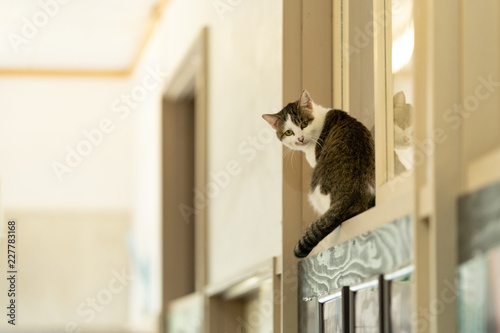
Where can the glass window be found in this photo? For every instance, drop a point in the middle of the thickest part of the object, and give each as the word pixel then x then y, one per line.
pixel 361 62
pixel 402 45
pixel 378 77
pixel 333 316
pixel 367 310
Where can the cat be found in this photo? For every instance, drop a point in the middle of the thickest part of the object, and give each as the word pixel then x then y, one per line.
pixel 403 133
pixel 341 152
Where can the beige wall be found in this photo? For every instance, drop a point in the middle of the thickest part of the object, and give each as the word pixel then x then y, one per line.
pixel 102 217
pixel 479 117
pixel 43 115
pixel 68 265
pixel 245 60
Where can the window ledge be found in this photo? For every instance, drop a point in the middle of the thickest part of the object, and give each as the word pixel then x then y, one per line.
pixel 377 216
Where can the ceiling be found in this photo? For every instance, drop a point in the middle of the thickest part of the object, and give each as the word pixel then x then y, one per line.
pixel 74 35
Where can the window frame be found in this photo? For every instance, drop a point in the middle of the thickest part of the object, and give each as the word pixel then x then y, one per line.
pixel 388 185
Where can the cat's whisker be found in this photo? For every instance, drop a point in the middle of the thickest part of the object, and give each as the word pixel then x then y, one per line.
pixel 316 141
pixel 291 160
pixel 288 157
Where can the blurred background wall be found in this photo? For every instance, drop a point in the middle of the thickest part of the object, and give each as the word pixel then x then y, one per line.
pixel 88 236
pixel 245 56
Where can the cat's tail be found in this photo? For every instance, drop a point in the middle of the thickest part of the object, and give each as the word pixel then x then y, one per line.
pixel 323 226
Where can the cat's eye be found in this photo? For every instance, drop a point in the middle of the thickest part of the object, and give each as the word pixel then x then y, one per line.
pixel 303 125
pixel 289 132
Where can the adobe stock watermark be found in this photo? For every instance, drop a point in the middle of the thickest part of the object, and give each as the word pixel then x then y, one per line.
pixel 423 316
pixel 454 116
pixel 222 7
pixel 220 180
pixel 362 38
pixel 483 91
pixel 265 310
pixel 88 309
pixel 258 316
pixel 94 137
pixel 31 26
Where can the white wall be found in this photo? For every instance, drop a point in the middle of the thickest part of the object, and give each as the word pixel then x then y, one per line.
pixel 146 220
pixel 67 263
pixel 245 81
pixel 72 231
pixel 104 214
pixel 40 118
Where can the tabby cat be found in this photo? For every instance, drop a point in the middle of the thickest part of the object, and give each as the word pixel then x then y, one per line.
pixel 341 151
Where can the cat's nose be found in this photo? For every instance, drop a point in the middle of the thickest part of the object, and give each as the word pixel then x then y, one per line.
pixel 301 139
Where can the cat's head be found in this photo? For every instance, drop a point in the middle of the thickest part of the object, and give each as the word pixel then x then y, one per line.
pixel 403 127
pixel 296 125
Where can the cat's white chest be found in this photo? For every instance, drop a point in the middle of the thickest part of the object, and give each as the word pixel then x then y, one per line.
pixel 311 155
pixel 321 202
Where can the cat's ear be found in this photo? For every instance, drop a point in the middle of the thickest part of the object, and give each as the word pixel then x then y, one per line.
pixel 399 99
pixel 305 100
pixel 272 119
